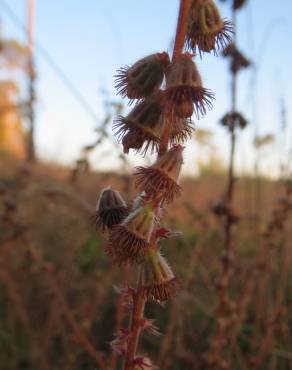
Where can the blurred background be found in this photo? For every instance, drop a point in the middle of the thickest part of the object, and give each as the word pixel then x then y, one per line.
pixel 58 308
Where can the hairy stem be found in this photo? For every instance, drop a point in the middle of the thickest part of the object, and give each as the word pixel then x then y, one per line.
pixel 135 324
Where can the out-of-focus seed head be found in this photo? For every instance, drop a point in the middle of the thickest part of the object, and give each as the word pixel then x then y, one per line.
pixel 237 4
pixel 159 181
pixel 111 209
pixel 229 51
pixel 234 119
pixel 239 61
pixel 143 78
pixel 159 283
pixel 184 89
pixel 207 31
pixel 141 128
pixel 129 241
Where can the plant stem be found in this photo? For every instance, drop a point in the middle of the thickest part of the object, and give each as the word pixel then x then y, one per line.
pixel 220 338
pixel 139 300
pixel 135 327
pixel 181 30
pixel 230 183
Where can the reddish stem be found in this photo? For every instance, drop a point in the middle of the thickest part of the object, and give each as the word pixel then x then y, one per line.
pixel 220 338
pixel 135 324
pixel 181 30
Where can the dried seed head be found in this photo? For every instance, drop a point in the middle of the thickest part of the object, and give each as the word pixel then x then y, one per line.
pixel 184 89
pixel 181 130
pixel 141 127
pixel 207 31
pixel 159 283
pixel 111 209
pixel 143 78
pixel 129 241
pixel 239 61
pixel 159 181
pixel 234 119
pixel 237 4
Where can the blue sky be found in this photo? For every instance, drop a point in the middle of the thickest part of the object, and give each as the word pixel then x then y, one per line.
pixel 91 39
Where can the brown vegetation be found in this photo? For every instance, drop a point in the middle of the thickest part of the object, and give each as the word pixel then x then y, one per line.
pixel 58 308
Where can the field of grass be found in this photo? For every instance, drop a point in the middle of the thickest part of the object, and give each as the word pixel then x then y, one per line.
pixel 59 309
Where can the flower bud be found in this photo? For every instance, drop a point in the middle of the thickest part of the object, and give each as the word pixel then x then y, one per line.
pixel 143 78
pixel 184 89
pixel 129 241
pixel 159 283
pixel 159 181
pixel 141 126
pixel 111 209
pixel 206 29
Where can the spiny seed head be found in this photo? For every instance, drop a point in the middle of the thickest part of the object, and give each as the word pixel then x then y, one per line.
pixel 206 30
pixel 129 241
pixel 159 181
pixel 143 78
pixel 141 127
pixel 159 283
pixel 111 209
pixel 181 130
pixel 234 119
pixel 184 88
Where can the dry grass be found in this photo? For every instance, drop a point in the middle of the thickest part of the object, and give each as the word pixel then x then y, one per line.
pixel 58 308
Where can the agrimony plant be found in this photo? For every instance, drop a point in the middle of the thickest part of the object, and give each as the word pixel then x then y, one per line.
pixel 159 122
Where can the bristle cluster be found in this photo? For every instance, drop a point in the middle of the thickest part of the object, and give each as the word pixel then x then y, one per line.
pixel 184 99
pixel 141 128
pixel 207 31
pixel 184 91
pixel 156 184
pixel 159 284
pixel 129 241
pixel 181 130
pixel 159 181
pixel 143 78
